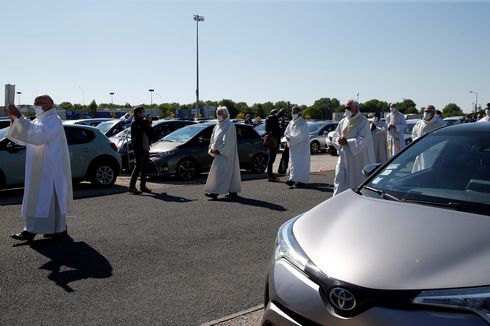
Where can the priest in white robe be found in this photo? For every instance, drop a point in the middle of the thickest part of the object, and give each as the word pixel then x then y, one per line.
pixel 48 191
pixel 224 175
pixel 379 134
pixel 486 118
pixel 429 122
pixel 396 127
pixel 298 141
pixel 353 140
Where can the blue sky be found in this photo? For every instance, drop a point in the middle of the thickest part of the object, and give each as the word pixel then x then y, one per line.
pixel 252 51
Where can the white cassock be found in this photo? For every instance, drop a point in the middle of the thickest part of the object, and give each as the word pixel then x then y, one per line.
pixel 379 141
pixel 224 175
pixel 355 155
pixel 48 193
pixel 485 119
pixel 299 150
pixel 423 127
pixel 396 137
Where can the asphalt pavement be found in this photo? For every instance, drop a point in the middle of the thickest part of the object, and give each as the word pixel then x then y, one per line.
pixel 172 257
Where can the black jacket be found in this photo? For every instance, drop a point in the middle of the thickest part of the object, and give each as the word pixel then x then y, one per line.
pixel 272 125
pixel 138 128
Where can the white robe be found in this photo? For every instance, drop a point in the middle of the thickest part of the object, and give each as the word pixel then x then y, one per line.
pixel 396 136
pixel 299 150
pixel 355 155
pixel 423 127
pixel 484 119
pixel 380 142
pixel 48 193
pixel 224 175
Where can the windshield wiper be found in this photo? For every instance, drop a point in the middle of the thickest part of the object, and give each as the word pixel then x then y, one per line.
pixel 382 193
pixel 469 208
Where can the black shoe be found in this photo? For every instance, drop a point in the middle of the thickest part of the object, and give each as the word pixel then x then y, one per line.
pixel 144 189
pixel 213 196
pixel 57 236
pixel 231 195
pixel 23 236
pixel 290 183
pixel 134 190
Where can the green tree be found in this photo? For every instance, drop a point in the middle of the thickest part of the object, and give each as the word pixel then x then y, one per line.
pixel 127 105
pixel 93 108
pixel 258 110
pixel 230 105
pixel 66 105
pixel 451 110
pixel 374 105
pixel 326 106
pixel 313 113
pixel 407 106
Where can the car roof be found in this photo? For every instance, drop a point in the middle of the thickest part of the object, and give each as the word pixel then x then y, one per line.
pixel 477 127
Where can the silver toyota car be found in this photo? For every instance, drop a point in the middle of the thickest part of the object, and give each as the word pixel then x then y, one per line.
pixel 410 246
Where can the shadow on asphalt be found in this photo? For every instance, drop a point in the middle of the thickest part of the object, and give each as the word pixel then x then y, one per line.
pixel 71 261
pixel 252 202
pixel 201 178
pixel 169 198
pixel 323 187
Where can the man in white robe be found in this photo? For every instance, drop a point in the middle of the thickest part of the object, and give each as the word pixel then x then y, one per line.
pixel 429 122
pixel 298 141
pixel 353 140
pixel 48 186
pixel 224 175
pixel 378 132
pixel 486 118
pixel 396 127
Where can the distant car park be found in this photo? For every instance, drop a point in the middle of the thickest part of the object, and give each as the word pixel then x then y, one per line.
pixel 454 120
pixel 93 122
pixel 93 157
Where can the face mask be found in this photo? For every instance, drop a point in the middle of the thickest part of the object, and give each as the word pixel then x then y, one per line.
pixel 348 113
pixel 392 110
pixel 427 116
pixel 220 118
pixel 295 116
pixel 487 111
pixel 38 109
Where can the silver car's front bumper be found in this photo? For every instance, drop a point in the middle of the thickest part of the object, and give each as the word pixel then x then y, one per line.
pixel 294 299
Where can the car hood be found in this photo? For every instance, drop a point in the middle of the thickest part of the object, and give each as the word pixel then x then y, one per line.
pixel 163 146
pixel 381 244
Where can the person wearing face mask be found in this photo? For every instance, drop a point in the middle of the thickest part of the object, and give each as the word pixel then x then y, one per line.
pixel 429 122
pixel 353 140
pixel 224 175
pixel 378 132
pixel 486 118
pixel 298 142
pixel 48 193
pixel 396 126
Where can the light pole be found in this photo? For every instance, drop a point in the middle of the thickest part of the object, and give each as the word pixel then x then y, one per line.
pixel 18 95
pixel 476 99
pixel 198 19
pixel 83 96
pixel 112 98
pixel 151 96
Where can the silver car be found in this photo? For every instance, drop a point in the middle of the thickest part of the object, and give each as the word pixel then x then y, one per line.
pixel 318 130
pixel 410 246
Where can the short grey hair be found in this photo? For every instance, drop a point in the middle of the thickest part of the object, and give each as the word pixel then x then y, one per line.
pixel 222 110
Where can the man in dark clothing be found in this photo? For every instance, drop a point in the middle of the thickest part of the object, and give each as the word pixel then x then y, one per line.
pixel 273 129
pixel 248 120
pixel 140 137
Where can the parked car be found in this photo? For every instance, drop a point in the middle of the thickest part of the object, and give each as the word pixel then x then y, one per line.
pixel 454 120
pixel 93 157
pixel 407 133
pixel 161 128
pixel 112 127
pixel 260 129
pixel 409 246
pixel 4 122
pixel 318 130
pixel 87 122
pixel 184 153
pixel 329 144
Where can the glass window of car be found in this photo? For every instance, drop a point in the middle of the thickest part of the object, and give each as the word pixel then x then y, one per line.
pixel 313 127
pixel 245 132
pixel 76 136
pixel 105 126
pixel 448 169
pixel 185 134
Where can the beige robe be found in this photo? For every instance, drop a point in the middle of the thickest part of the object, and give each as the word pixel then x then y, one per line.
pixel 48 190
pixel 396 135
pixel 224 175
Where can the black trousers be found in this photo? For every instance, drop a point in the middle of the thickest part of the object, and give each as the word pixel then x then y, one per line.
pixel 283 165
pixel 141 158
pixel 270 161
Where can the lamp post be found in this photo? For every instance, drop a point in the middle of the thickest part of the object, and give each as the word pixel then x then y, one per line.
pixel 476 99
pixel 18 96
pixel 83 96
pixel 112 98
pixel 198 19
pixel 151 96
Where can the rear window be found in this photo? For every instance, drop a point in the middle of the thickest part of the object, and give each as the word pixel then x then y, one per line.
pixel 76 136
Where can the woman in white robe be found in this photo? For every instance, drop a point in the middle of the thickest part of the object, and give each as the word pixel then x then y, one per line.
pixel 353 140
pixel 298 141
pixel 224 175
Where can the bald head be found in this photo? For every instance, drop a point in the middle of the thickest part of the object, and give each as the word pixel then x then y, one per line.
pixel 45 101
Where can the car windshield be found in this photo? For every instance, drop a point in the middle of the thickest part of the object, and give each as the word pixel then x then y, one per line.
pixel 106 125
pixel 126 133
pixel 450 170
pixel 313 127
pixel 260 127
pixel 409 128
pixel 184 134
pixel 3 132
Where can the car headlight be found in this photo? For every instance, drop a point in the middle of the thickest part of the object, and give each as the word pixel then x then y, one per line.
pixel 165 154
pixel 288 248
pixel 476 300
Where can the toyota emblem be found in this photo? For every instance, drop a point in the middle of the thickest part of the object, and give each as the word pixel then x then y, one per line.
pixel 342 299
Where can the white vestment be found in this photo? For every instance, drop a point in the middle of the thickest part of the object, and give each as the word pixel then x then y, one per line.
pixel 48 193
pixel 379 142
pixel 423 127
pixel 299 150
pixel 355 155
pixel 396 137
pixel 484 119
pixel 224 175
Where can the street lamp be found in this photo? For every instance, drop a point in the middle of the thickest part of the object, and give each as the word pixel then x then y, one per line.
pixel 476 99
pixel 112 98
pixel 18 95
pixel 151 96
pixel 198 19
pixel 83 96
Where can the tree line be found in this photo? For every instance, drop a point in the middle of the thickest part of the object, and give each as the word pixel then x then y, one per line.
pixel 321 109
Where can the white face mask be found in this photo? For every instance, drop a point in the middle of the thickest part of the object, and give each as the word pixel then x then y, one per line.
pixel 392 110
pixel 427 116
pixel 295 116
pixel 348 113
pixel 220 118
pixel 487 111
pixel 38 109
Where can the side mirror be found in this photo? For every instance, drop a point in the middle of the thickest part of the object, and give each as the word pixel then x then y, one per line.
pixel 370 168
